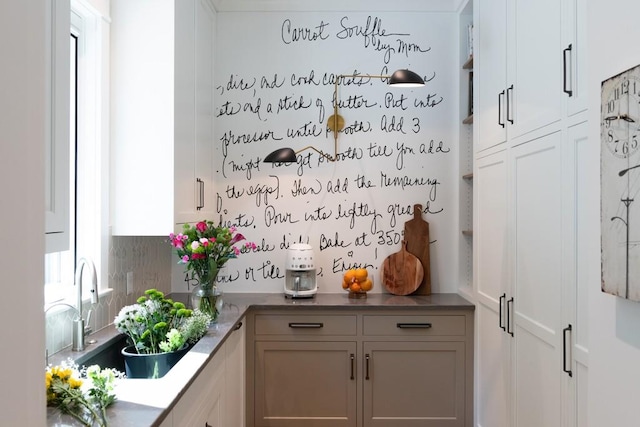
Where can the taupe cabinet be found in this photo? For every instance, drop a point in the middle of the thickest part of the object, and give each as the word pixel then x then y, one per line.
pixel 360 368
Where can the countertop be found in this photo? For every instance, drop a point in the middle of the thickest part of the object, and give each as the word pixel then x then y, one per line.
pixel 143 402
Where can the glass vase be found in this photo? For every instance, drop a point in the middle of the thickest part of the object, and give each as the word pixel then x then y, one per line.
pixel 208 299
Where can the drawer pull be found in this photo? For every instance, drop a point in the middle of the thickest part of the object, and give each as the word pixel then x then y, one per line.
pixel 413 325
pixel 305 325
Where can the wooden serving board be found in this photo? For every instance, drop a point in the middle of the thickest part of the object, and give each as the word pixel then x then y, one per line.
pixel 416 234
pixel 402 272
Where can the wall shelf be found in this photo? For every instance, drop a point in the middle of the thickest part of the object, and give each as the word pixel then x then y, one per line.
pixel 468 176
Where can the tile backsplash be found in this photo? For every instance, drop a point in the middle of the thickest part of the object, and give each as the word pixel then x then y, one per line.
pixel 148 258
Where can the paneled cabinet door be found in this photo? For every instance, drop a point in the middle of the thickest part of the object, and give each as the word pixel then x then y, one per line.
pixel 311 384
pixel 536 312
pixel 490 72
pixel 492 271
pixel 414 384
pixel 575 55
pixel 234 349
pixel 194 111
pixel 534 66
pixel 520 69
pixel 203 403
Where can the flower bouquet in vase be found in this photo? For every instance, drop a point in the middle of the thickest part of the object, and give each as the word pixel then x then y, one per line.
pixel 205 249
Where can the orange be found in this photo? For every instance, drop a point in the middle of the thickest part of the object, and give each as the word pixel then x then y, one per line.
pixel 366 285
pixel 360 274
pixel 355 287
pixel 349 275
pixel 345 285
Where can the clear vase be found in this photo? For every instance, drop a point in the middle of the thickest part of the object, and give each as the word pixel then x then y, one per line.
pixel 208 299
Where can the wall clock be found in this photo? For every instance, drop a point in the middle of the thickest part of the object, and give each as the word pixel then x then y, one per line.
pixel 620 183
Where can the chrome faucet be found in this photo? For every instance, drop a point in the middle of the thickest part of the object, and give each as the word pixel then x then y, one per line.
pixel 79 330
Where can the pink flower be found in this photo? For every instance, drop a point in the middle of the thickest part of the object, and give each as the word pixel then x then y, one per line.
pixel 184 259
pixel 201 226
pixel 204 241
pixel 198 256
pixel 236 251
pixel 237 238
pixel 195 245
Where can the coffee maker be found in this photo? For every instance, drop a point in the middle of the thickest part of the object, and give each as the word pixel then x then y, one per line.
pixel 300 273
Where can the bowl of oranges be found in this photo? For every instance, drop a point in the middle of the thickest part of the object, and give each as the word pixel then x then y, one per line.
pixel 357 282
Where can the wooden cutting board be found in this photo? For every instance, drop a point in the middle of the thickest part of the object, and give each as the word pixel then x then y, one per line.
pixel 402 272
pixel 416 234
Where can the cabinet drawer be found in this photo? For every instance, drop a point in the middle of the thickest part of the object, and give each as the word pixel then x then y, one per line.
pixel 414 325
pixel 274 324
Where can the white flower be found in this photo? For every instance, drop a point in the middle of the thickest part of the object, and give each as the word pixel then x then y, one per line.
pixel 195 245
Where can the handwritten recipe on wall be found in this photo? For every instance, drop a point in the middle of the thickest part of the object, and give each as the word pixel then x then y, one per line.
pixel 275 75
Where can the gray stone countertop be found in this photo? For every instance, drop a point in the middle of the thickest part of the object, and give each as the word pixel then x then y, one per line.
pixel 143 402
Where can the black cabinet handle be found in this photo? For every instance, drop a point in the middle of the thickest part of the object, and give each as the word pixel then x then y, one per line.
pixel 366 358
pixel 238 326
pixel 509 305
pixel 413 325
pixel 200 194
pixel 353 357
pixel 566 331
pixel 500 96
pixel 306 325
pixel 564 70
pixel 509 95
pixel 500 316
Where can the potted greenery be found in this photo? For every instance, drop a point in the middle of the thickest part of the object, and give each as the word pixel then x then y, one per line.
pixel 159 332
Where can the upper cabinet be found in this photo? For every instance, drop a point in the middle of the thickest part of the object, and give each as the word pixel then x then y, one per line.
pixel 529 68
pixel 161 114
pixel 57 141
pixel 575 56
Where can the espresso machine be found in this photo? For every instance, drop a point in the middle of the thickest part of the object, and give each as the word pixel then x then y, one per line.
pixel 300 273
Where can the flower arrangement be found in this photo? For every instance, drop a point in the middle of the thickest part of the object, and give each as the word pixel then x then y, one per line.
pixel 156 324
pixel 83 393
pixel 205 248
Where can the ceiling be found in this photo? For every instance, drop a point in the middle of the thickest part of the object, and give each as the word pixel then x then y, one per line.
pixel 338 5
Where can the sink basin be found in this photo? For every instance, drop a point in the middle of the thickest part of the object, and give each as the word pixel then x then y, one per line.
pixel 107 355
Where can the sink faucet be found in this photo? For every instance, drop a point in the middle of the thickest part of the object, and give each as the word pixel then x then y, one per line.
pixel 79 329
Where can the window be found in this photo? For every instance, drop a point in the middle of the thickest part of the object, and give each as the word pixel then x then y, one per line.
pixel 86 169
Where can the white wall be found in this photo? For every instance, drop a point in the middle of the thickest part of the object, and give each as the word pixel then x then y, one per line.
pixel 271 61
pixel 22 131
pixel 614 333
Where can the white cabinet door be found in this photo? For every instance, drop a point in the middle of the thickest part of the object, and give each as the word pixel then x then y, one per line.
pixel 491 254
pixel 536 311
pixel 491 72
pixel 575 55
pixel 195 31
pixel 535 72
pixel 162 114
pixel 578 198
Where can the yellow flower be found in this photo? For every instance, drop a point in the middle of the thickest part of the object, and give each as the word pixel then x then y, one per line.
pixel 75 383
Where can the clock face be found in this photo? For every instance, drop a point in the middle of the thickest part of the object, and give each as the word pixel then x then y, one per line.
pixel 620 184
pixel 620 109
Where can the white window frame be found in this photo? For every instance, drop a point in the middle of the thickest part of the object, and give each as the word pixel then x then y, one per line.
pixel 90 237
